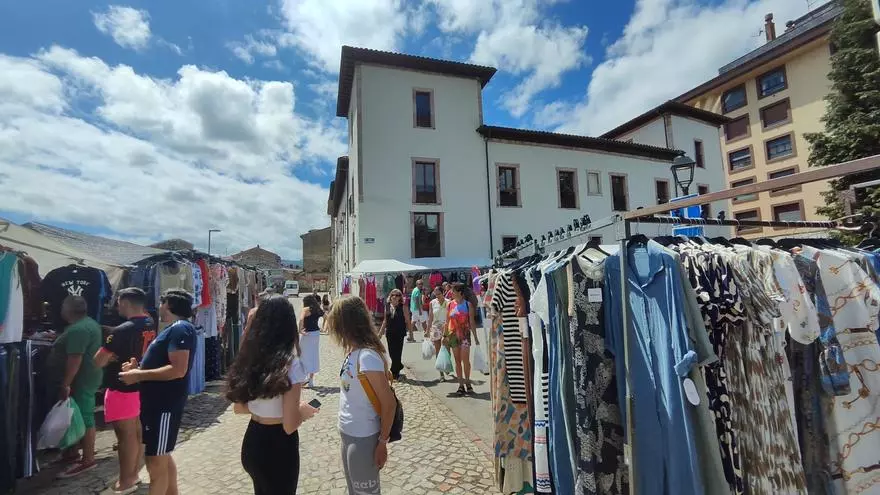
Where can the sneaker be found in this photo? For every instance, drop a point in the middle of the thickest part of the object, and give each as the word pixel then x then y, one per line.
pixel 77 469
pixel 311 383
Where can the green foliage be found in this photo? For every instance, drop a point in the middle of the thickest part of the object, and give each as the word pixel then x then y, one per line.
pixel 852 118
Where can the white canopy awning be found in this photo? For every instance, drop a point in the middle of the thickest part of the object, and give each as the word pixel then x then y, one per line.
pixel 417 265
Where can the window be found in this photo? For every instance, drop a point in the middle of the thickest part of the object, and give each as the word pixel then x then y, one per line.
pixel 594 184
pixel 790 212
pixel 743 198
pixel 426 235
pixel 733 98
pixel 778 148
pixel 698 154
pixel 508 185
pixel 772 82
pixel 662 188
pixel 707 208
pixel 567 188
pixel 782 173
pixel 595 239
pixel 508 242
pixel 619 199
pixel 425 183
pixel 752 215
pixel 776 114
pixel 424 108
pixel 737 128
pixel 739 159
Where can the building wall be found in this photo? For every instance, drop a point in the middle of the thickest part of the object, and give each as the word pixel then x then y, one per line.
pixel 316 250
pixel 806 73
pixel 653 133
pixel 259 258
pixel 391 142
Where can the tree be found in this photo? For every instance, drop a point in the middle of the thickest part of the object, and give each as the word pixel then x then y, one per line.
pixel 852 116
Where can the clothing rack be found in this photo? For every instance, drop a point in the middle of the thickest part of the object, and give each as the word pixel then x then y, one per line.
pixel 623 224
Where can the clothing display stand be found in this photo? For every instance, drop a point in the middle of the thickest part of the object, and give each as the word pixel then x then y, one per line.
pixel 623 225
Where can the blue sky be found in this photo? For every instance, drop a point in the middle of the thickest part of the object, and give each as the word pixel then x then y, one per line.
pixel 146 120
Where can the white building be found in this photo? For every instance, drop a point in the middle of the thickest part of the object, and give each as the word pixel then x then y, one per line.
pixel 428 184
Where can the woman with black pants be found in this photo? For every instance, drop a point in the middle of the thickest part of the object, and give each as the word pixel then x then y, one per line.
pixel 394 327
pixel 266 381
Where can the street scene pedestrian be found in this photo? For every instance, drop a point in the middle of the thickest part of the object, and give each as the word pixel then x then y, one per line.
pixel 461 330
pixel 417 310
pixel 394 328
pixel 122 402
pixel 310 336
pixel 266 382
pixel 437 322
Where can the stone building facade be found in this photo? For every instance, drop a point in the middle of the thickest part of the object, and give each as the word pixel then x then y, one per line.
pixel 258 257
pixel 316 259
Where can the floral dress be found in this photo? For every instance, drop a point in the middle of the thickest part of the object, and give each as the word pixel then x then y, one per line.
pixel 458 328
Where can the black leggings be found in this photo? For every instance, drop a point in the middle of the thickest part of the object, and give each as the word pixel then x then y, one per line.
pixel 271 458
pixel 395 350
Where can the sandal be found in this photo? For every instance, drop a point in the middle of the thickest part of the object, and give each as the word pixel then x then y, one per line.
pixel 461 392
pixel 470 389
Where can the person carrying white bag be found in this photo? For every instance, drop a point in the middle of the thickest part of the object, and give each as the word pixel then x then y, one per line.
pixel 55 425
pixel 436 326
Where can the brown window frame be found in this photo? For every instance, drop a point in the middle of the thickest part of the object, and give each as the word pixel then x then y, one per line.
pixel 436 163
pixel 785 190
pixel 748 133
pixel 433 108
pixel 754 196
pixel 787 120
pixel 699 153
pixel 440 232
pixel 518 188
pixel 708 206
pixel 657 182
pixel 598 175
pixel 748 230
pixel 745 103
pixel 611 176
pixel 577 198
pixel 800 205
pixel 751 151
pixel 789 156
pixel 762 76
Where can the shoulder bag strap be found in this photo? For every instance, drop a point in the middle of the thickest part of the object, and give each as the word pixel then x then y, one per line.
pixel 365 384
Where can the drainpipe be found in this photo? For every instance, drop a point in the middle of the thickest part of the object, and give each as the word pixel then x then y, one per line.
pixel 489 197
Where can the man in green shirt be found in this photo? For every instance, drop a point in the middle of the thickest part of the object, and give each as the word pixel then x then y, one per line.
pixel 76 348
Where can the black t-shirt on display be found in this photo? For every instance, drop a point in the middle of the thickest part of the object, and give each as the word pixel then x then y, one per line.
pixel 88 282
pixel 128 340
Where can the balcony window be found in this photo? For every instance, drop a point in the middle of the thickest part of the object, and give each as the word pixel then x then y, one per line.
pixel 619 193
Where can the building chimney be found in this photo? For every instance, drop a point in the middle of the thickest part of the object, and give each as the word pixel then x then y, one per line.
pixel 789 26
pixel 769 27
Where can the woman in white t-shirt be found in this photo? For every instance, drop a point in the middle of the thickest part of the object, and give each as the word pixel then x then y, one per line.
pixel 437 322
pixel 364 432
pixel 266 381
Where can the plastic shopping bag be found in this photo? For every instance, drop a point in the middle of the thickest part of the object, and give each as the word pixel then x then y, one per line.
pixel 444 361
pixel 480 362
pixel 55 425
pixel 76 430
pixel 427 350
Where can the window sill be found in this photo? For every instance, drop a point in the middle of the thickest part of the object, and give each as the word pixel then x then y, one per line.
pixel 781 158
pixel 439 203
pixel 509 206
pixel 738 170
pixel 775 125
pixel 569 208
pixel 424 128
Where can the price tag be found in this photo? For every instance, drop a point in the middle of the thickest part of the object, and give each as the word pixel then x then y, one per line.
pixel 594 295
pixel 690 390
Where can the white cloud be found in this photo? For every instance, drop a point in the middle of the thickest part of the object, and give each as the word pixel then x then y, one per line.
pixel 160 158
pixel 667 48
pixel 129 27
pixel 245 50
pixel 512 36
pixel 320 27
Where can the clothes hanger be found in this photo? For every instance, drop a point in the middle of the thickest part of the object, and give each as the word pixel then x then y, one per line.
pixel 766 242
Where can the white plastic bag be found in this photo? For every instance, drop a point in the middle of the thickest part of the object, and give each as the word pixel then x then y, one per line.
pixel 444 361
pixel 480 362
pixel 55 425
pixel 427 350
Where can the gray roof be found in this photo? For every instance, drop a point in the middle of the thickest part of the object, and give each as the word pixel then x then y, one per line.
pixel 803 24
pixel 110 250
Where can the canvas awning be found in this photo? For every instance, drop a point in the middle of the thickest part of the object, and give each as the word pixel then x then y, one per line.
pixel 417 265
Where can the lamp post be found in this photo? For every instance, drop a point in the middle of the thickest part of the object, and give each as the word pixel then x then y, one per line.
pixel 211 231
pixel 683 172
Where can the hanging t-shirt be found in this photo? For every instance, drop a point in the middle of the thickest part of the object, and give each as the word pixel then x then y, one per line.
pixel 126 341
pixel 90 283
pixel 13 328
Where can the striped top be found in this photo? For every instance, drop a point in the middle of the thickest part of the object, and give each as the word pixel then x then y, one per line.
pixel 503 304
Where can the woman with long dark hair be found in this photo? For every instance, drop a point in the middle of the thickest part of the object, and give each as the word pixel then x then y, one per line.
pixel 310 336
pixel 460 326
pixel 363 426
pixel 394 328
pixel 265 381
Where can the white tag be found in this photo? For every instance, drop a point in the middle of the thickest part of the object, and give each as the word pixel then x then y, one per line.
pixel 690 390
pixel 594 295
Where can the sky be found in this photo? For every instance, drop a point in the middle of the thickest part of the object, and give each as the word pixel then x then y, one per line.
pixel 149 120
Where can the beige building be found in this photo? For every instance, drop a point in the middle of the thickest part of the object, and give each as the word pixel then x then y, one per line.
pixel 316 259
pixel 258 257
pixel 773 96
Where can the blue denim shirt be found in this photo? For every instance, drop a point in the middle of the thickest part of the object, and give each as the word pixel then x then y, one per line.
pixel 661 356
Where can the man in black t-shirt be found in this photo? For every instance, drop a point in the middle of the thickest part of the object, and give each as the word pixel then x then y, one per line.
pixel 122 403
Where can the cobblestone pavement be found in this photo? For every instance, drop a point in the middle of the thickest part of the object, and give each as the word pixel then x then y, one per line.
pixel 437 455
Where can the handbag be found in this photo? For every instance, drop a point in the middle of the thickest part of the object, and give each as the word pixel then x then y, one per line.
pixel 396 432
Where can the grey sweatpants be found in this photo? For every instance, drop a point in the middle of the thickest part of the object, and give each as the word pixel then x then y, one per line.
pixel 359 464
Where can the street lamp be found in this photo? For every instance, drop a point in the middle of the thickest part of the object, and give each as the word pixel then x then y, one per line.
pixel 211 231
pixel 683 171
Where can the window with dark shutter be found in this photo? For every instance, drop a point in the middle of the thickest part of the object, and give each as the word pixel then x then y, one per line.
pixel 698 154
pixel 776 114
pixel 619 200
pixel 426 235
pixel 424 112
pixel 737 128
pixel 567 189
pixel 508 186
pixel 425 182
